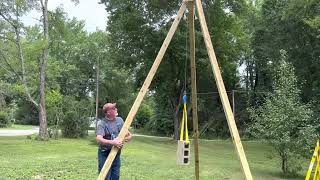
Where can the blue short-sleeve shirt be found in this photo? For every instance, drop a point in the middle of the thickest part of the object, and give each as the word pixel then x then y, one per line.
pixel 109 129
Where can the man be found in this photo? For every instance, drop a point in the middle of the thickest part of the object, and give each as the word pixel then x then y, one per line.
pixel 108 130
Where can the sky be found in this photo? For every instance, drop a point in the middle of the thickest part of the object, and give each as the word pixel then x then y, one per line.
pixel 94 14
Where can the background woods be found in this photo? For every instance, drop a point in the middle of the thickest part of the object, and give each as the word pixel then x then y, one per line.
pixel 268 52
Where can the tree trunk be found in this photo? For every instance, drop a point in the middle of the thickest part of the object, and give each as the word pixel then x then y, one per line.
pixel 247 75
pixel 251 75
pixel 176 127
pixel 284 165
pixel 177 116
pixel 43 131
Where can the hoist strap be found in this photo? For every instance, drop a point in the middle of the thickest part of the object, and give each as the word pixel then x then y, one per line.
pixel 184 122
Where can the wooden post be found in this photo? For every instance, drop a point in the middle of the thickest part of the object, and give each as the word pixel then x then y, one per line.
pixel 194 88
pixel 233 105
pixel 142 92
pixel 223 94
pixel 97 93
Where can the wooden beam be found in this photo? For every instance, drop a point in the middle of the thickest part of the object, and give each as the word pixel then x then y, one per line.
pixel 222 92
pixel 233 105
pixel 194 99
pixel 142 92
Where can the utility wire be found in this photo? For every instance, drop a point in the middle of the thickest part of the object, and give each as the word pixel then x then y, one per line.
pixel 241 91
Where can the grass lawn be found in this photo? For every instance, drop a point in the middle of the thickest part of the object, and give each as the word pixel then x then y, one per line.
pixel 19 127
pixel 144 158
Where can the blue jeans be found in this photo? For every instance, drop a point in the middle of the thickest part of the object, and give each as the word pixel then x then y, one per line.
pixel 114 172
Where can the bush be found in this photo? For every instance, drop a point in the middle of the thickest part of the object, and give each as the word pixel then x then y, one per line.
pixel 54 105
pixel 161 123
pixel 75 120
pixel 4 119
pixel 143 116
pixel 26 113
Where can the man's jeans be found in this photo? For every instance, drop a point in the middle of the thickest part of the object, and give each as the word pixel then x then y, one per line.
pixel 114 172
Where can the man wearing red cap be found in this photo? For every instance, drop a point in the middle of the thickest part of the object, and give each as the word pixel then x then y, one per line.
pixel 108 130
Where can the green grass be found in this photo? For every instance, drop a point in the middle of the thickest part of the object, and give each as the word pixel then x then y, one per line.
pixel 142 159
pixel 19 127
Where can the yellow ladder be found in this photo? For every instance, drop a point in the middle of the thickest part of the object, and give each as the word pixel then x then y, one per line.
pixel 314 160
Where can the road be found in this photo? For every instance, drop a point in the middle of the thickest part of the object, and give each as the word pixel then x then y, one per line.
pixel 18 132
pixel 36 131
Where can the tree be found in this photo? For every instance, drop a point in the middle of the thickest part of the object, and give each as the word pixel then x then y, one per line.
pixel 290 25
pixel 11 11
pixel 283 120
pixel 43 131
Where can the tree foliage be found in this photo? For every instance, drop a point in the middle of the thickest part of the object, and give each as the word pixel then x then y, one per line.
pixel 70 73
pixel 244 32
pixel 75 58
pixel 137 29
pixel 290 25
pixel 11 13
pixel 284 121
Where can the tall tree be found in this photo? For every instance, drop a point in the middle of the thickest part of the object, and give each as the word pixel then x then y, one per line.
pixel 11 12
pixel 283 120
pixel 43 131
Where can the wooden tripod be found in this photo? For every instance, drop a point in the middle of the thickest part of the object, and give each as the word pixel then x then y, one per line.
pixel 217 74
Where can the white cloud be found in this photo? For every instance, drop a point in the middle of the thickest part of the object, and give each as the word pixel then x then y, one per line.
pixel 94 14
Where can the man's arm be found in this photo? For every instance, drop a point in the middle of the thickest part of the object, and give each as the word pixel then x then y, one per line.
pixel 114 142
pixel 128 136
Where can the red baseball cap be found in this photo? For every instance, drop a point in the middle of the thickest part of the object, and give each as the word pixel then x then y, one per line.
pixel 109 106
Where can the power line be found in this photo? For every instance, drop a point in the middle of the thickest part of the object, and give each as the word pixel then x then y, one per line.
pixel 241 91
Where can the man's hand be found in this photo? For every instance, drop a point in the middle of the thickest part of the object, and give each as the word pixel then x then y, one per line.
pixel 117 143
pixel 128 137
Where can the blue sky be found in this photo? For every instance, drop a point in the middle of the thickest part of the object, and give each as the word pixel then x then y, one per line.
pixel 90 11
